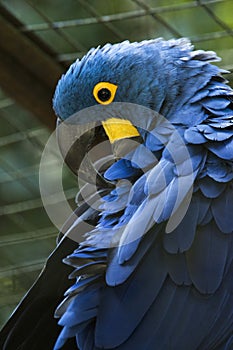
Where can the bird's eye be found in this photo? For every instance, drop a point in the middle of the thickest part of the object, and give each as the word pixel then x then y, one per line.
pixel 104 92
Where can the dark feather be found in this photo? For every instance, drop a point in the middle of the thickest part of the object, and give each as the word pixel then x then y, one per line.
pixel 181 238
pixel 117 308
pixel 207 258
pixel 36 311
pixel 222 208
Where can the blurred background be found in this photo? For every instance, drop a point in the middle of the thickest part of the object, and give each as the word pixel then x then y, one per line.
pixel 38 41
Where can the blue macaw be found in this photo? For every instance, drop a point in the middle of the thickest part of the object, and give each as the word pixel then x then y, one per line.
pixel 155 269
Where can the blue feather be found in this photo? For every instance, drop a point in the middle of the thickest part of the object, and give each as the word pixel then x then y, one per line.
pixel 85 339
pixel 222 149
pixel 204 207
pixel 80 284
pixel 122 169
pixel 142 157
pixel 177 269
pixel 66 333
pixel 219 170
pixel 207 258
pixel 153 143
pixel 222 207
pixel 211 188
pixel 194 136
pixel 117 310
pixel 119 270
pixel 82 308
pixel 181 238
pixel 214 134
pixel 217 103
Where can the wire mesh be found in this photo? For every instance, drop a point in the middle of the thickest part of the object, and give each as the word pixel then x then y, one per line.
pixel 27 236
pixel 138 20
pixel 69 28
pixel 85 24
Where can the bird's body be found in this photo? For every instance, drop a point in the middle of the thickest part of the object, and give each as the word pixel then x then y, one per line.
pixel 155 270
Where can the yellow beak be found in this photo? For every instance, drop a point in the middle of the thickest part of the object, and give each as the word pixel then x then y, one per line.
pixel 117 129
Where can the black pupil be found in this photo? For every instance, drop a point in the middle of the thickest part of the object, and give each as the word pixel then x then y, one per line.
pixel 104 94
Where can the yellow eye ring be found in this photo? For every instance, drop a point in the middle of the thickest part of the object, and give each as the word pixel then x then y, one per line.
pixel 104 92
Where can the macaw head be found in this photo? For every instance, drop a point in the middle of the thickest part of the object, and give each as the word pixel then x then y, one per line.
pixel 155 74
pixel 132 72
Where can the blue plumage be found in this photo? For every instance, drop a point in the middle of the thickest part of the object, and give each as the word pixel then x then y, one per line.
pixel 156 271
pixel 166 290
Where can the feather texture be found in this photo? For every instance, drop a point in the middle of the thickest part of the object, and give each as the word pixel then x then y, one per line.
pixel 166 229
pixel 155 270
